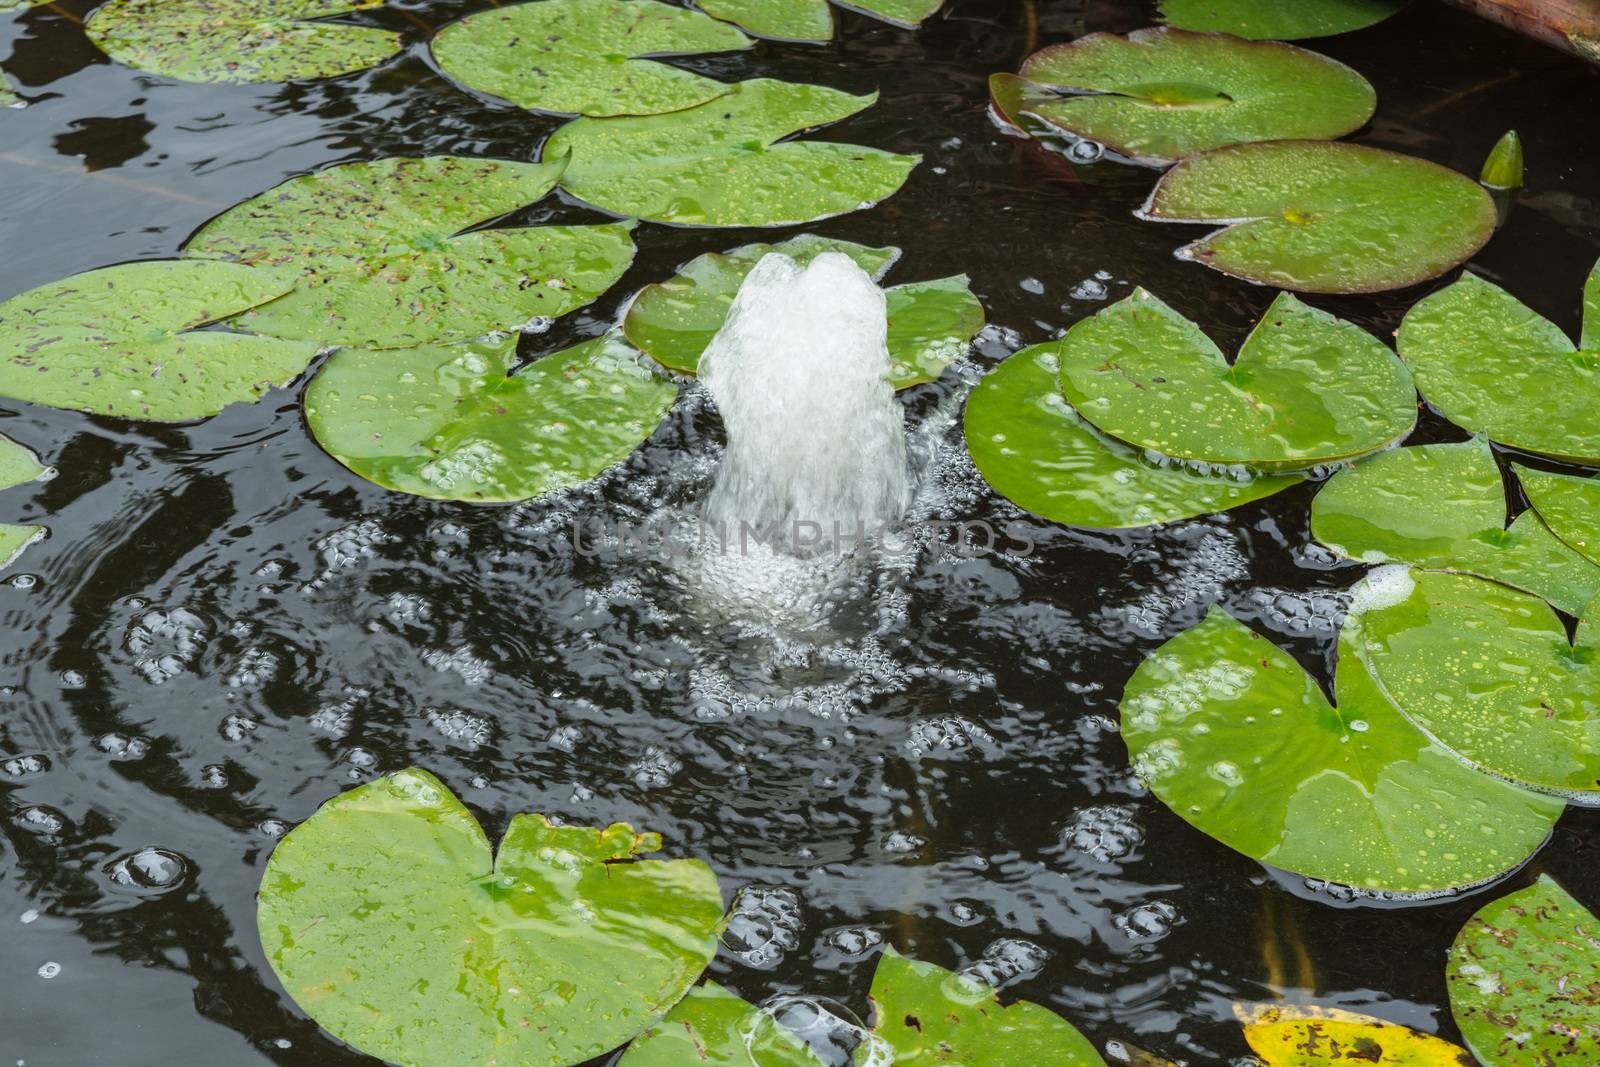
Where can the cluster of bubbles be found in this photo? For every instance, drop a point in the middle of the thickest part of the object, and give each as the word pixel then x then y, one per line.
pixel 764 925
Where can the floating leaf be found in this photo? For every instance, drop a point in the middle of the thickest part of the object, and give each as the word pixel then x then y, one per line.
pixel 1306 389
pixel 392 923
pixel 712 1027
pixel 1274 20
pixel 720 164
pixel 122 341
pixel 1318 1038
pixel 386 262
pixel 461 423
pixel 1158 95
pixel 18 466
pixel 1490 363
pixel 811 20
pixel 8 96
pixel 1443 507
pixel 239 40
pixel 1236 738
pixel 1488 671
pixel 1315 216
pixel 17 5
pixel 1505 168
pixel 1569 505
pixel 1524 978
pixel 581 57
pixel 930 323
pixel 1036 451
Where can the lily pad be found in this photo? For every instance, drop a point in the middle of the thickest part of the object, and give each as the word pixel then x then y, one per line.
pixel 1569 505
pixel 1307 388
pixel 811 20
pixel 17 5
pixel 1037 452
pixel 1489 672
pixel 1319 1039
pixel 1524 978
pixel 463 423
pixel 581 57
pixel 930 323
pixel 1320 217
pixel 1274 20
pixel 721 164
pixel 929 1016
pixel 239 40
pixel 1443 507
pixel 712 1027
pixel 18 466
pixel 123 341
pixel 1237 739
pixel 1158 95
pixel 386 262
pixel 391 921
pixel 1491 364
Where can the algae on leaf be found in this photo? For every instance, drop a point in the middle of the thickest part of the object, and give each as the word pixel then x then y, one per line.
pixel 1278 20
pixel 1311 1037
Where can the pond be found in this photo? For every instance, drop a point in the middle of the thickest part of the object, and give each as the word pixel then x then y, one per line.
pixel 226 627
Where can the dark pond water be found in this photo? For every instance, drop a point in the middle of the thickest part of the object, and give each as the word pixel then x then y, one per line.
pixel 226 628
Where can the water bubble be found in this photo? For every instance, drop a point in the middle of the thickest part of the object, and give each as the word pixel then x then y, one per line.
pixel 24 581
pixel 1108 833
pixel 213 776
pixel 566 738
pixel 655 769
pixel 122 747
pixel 463 727
pixel 1007 961
pixel 829 1029
pixel 255 669
pixel 473 669
pixel 150 871
pixel 1086 152
pixel 853 940
pixel 900 843
pixel 273 828
pixel 237 728
pixel 763 925
pixel 1090 289
pixel 20 767
pixel 166 642
pixel 935 737
pixel 1148 922
pixel 49 970
pixel 42 820
pixel 348 547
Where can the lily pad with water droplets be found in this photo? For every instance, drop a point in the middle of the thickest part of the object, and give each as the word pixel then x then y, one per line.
pixel 1158 95
pixel 1275 20
pixel 124 341
pixel 1036 451
pixel 583 57
pixel 930 323
pixel 724 163
pixel 1307 388
pixel 1489 672
pixel 1236 738
pixel 1443 507
pixel 392 922
pixel 1569 505
pixel 811 20
pixel 712 1027
pixel 386 261
pixel 1323 217
pixel 1524 977
pixel 463 423
pixel 1491 364
pixel 239 40
pixel 1310 1038
pixel 18 466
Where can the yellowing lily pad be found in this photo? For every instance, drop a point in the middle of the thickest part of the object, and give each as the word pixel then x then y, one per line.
pixel 1158 95
pixel 1036 451
pixel 1318 1039
pixel 392 922
pixel 812 20
pixel 239 40
pixel 1307 388
pixel 1321 217
pixel 18 466
pixel 1275 20
pixel 582 57
pixel 712 1027
pixel 1569 505
pixel 930 323
pixel 722 163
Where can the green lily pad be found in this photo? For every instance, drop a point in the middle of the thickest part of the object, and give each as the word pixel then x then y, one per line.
pixel 391 922
pixel 1306 389
pixel 1488 671
pixel 1158 95
pixel 1320 217
pixel 1569 505
pixel 712 1027
pixel 17 5
pixel 811 20
pixel 462 423
pixel 1524 977
pixel 1274 20
pixel 122 341
pixel 8 95
pixel 386 261
pixel 929 1016
pixel 239 40
pixel 18 466
pixel 1237 739
pixel 721 164
pixel 1491 364
pixel 581 57
pixel 930 323
pixel 1037 452
pixel 1443 507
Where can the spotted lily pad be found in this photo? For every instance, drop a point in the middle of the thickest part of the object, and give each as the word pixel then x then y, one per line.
pixel 722 163
pixel 1569 505
pixel 1489 672
pixel 386 261
pixel 930 323
pixel 239 40
pixel 811 20
pixel 1306 389
pixel 1491 364
pixel 1158 95
pixel 1037 452
pixel 392 922
pixel 1322 217
pixel 581 57
pixel 712 1027
pixel 1443 507
pixel 1524 978
pixel 1236 738
pixel 124 341
pixel 1318 1039
pixel 1274 20
pixel 18 466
